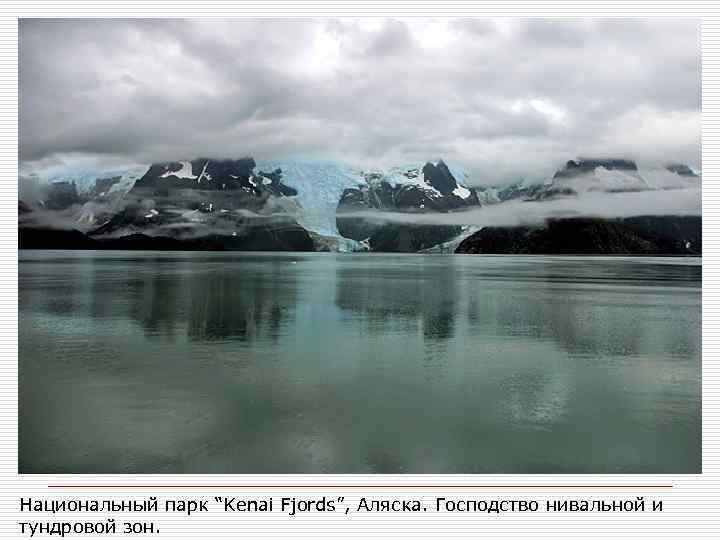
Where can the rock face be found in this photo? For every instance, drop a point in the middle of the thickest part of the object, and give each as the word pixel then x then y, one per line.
pixel 430 189
pixel 213 175
pixel 647 235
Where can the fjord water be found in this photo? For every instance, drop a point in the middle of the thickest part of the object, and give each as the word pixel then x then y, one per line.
pixel 296 363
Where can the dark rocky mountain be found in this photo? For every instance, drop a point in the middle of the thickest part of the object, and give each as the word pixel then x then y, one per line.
pixel 219 204
pixel 646 235
pixel 681 169
pixel 430 189
pixel 205 197
pixel 587 165
pixel 213 175
pixel 242 206
pixel 411 238
pixel 259 237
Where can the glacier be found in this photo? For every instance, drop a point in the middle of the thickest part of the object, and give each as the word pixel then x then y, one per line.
pixel 320 185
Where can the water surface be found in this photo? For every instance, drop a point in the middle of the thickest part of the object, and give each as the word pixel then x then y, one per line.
pixel 295 363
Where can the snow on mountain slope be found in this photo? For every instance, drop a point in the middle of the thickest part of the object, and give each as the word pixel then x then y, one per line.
pixel 407 175
pixel 184 173
pixel 613 175
pixel 577 179
pixel 85 179
pixel 320 185
pixel 603 179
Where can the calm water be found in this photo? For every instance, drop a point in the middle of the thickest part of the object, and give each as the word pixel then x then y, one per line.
pixel 249 363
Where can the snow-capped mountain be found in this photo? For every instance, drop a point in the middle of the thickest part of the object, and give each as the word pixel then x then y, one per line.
pixel 321 184
pixel 618 175
pixel 430 188
pixel 82 197
pixel 594 175
pixel 202 197
pixel 583 175
pixel 209 196
pixel 204 174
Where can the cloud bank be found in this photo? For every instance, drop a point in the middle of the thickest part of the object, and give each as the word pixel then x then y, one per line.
pixel 501 98
pixel 677 202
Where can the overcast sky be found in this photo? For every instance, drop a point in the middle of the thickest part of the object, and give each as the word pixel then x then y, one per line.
pixel 502 98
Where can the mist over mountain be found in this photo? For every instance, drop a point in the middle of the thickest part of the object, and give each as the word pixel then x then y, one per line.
pixel 332 206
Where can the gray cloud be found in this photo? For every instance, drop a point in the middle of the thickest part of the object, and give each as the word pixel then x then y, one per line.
pixel 502 98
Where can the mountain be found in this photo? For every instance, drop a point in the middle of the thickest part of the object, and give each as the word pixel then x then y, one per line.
pixel 615 175
pixel 645 235
pixel 681 169
pixel 292 204
pixel 225 204
pixel 610 175
pixel 235 175
pixel 659 235
pixel 203 197
pixel 73 199
pixel 432 188
pixel 86 179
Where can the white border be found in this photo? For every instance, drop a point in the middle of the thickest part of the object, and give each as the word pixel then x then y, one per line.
pixel 691 506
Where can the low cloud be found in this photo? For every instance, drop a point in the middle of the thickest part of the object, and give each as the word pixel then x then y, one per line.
pixel 676 202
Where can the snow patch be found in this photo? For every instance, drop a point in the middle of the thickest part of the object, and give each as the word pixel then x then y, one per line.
pixel 203 174
pixel 462 192
pixel 184 173
pixel 411 176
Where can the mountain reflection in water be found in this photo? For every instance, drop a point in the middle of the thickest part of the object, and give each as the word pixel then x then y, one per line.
pixel 253 363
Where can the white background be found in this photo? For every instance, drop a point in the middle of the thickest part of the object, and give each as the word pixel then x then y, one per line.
pixel 691 502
